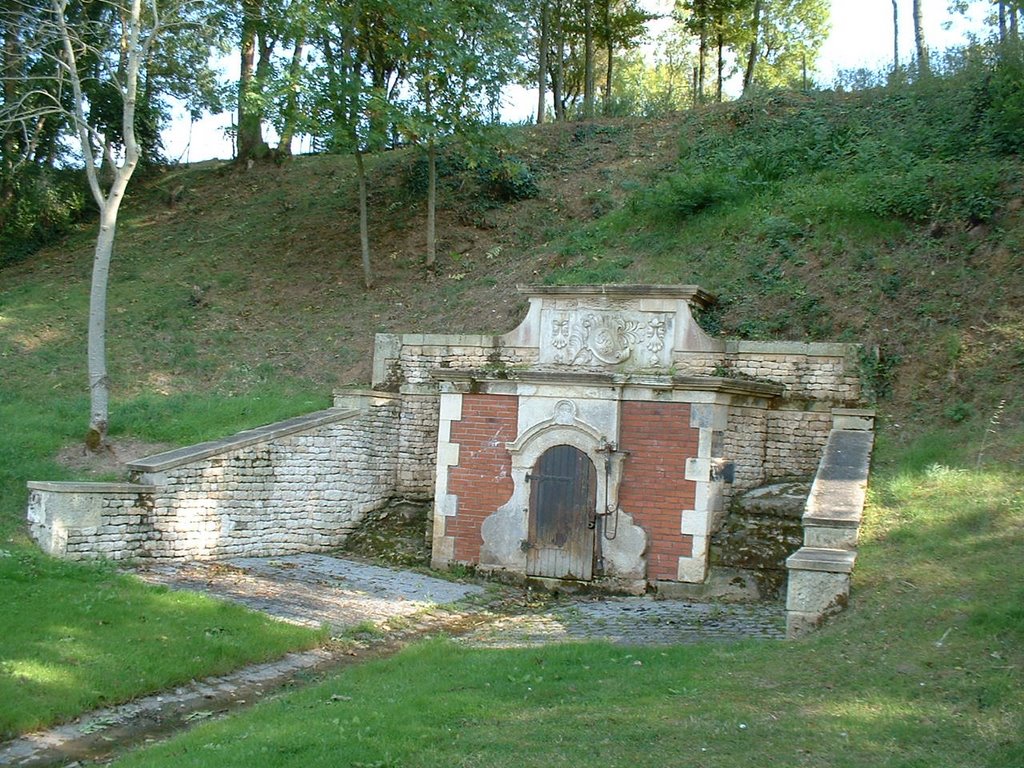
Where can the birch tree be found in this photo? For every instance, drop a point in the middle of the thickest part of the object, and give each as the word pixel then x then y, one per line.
pixel 923 67
pixel 87 54
pixel 95 153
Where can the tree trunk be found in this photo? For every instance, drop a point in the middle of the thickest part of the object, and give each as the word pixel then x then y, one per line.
pixel 364 228
pixel 702 51
pixel 542 62
pixel 250 118
pixel 755 48
pixel 108 203
pixel 291 105
pixel 431 203
pixel 610 50
pixel 922 49
pixel 99 390
pixel 721 66
pixel 588 59
pixel 558 81
pixel 10 143
pixel 1002 21
pixel 895 37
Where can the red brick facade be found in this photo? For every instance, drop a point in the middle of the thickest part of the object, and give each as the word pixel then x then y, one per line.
pixel 654 490
pixel 482 480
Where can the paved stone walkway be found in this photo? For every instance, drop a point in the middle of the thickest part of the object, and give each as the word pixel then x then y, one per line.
pixel 631 621
pixel 314 590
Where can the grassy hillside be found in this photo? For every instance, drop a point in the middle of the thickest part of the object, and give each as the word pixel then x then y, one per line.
pixel 875 217
pixel 891 217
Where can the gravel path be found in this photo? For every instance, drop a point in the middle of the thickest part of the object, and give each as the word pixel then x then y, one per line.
pixel 313 590
pixel 631 621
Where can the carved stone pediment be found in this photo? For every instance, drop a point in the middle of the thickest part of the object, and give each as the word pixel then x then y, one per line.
pixel 598 338
pixel 615 328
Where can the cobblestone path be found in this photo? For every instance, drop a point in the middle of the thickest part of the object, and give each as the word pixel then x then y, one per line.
pixel 319 589
pixel 631 621
pixel 314 590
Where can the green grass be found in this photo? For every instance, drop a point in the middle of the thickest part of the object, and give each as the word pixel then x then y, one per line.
pixel 77 637
pixel 926 668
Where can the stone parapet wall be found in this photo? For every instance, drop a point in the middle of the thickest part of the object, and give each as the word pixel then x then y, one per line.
pixel 826 372
pixel 407 360
pixel 417 445
pixel 820 571
pixel 298 492
pixel 79 521
pixel 297 486
pixel 404 363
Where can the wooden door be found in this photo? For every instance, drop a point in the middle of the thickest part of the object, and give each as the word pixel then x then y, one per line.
pixel 563 493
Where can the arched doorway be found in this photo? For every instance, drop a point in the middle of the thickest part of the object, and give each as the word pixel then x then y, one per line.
pixel 563 493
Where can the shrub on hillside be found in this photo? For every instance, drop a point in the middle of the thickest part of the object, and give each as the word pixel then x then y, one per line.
pixel 37 205
pixel 507 178
pixel 929 189
pixel 502 176
pixel 1006 95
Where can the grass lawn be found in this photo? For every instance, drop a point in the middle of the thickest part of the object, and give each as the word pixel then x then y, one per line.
pixel 79 636
pixel 925 669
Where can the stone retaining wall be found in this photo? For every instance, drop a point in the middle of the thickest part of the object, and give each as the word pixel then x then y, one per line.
pixel 297 486
pixel 79 521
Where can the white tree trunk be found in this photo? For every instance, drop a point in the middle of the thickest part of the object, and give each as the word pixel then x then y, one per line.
pixel 99 391
pixel 109 202
pixel 923 67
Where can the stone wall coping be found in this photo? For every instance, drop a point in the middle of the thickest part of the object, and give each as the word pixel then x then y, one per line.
pixel 169 459
pixel 732 386
pixel 864 413
pixel 83 486
pixel 693 294
pixel 830 521
pixel 809 348
pixel 819 559
pixel 837 495
pixel 449 340
pixel 478 375
pixel 365 392
pixel 535 376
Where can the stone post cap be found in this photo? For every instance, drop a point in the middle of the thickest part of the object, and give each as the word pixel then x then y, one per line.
pixel 819 559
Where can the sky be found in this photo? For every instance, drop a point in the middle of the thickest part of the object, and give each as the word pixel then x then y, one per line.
pixel 861 36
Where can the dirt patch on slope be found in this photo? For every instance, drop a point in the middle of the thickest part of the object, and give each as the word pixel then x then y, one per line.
pixel 111 460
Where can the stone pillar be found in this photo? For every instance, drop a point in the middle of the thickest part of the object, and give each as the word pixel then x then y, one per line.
pixel 710 419
pixel 819 586
pixel 445 504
